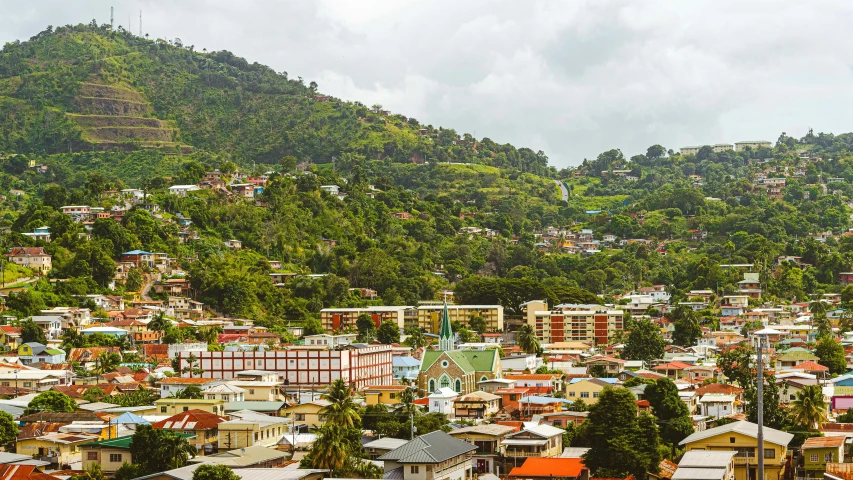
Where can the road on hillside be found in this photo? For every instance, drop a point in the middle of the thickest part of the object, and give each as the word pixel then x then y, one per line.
pixel 563 190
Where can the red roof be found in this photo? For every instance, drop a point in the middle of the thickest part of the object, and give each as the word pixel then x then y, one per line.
pixel 545 467
pixel 191 420
pixel 810 366
pixel 23 472
pixel 532 376
pixel 27 252
pixel 673 366
pixel 421 401
pixel 719 388
pixel 512 390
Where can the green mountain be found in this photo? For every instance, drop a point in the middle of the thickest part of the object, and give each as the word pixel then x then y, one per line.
pixel 87 88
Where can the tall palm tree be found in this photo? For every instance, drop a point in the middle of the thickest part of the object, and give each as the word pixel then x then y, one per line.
pixel 107 362
pixel 808 410
pixel 817 308
pixel 526 339
pixel 180 449
pixel 331 450
pixel 342 410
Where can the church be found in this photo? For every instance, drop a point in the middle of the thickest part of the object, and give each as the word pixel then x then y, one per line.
pixel 459 370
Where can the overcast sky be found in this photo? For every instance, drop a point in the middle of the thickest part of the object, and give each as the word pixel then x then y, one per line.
pixel 572 78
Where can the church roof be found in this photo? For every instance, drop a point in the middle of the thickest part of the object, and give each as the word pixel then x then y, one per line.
pixel 468 360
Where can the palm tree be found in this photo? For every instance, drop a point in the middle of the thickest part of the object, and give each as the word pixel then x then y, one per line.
pixel 342 410
pixel 817 308
pixel 160 323
pixel 180 449
pixel 809 408
pixel 106 362
pixel 210 335
pixel 330 451
pixel 526 339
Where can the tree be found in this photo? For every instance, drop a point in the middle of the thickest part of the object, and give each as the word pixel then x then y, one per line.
pixel 415 337
pixel 8 431
pixel 51 401
pixel 526 339
pixel 30 332
pixel 366 327
pixel 830 354
pixel 645 342
pixel 94 394
pixel 157 450
pixel 620 443
pixel 808 410
pixel 107 362
pixel 92 472
pixel 134 281
pixel 159 323
pixel 687 328
pixel 388 332
pixel 342 410
pixel 193 366
pixel 209 471
pixel 192 392
pixel 478 324
pixel 312 326
pixel 672 413
pixel 288 163
pixel 330 450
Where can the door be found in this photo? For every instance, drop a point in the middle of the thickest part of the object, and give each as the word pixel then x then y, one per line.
pixel 482 466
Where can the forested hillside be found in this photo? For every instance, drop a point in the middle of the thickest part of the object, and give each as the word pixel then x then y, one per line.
pixel 86 111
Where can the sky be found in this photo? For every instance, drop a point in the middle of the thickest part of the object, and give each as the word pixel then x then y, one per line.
pixel 572 78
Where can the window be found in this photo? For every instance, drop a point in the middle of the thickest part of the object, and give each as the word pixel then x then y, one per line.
pixel 115 457
pixel 813 458
pixel 28 384
pixel 187 408
pixel 444 382
pixel 431 385
pixel 414 469
pixel 251 391
pixel 435 404
pixel 731 439
pixel 300 417
pixel 769 453
pixel 513 397
pixel 393 395
pixel 458 385
pixel 91 455
pixel 571 394
pixel 5 384
pixel 584 394
pixel 595 394
pixel 162 409
pixel 827 457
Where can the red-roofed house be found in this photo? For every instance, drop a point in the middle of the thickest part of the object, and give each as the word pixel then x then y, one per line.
pixel 811 367
pixel 31 257
pixel 23 472
pixel 551 469
pixel 538 383
pixel 204 425
pixel 673 369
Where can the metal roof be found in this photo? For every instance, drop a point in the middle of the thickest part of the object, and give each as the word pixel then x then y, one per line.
pixel 434 447
pixel 699 474
pixel 744 428
pixel 706 458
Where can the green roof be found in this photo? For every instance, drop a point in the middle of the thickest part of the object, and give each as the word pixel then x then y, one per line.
pixel 54 351
pixel 124 442
pixel 468 360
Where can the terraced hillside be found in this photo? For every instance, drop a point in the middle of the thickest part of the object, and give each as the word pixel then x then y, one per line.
pixel 113 116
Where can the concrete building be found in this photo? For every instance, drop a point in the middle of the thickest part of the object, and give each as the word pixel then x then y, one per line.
pixel 594 324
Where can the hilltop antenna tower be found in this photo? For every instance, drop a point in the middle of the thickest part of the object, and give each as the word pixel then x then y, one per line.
pixel 140 23
pixel 111 18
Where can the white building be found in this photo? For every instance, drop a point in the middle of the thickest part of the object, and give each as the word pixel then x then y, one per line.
pixel 441 401
pixel 331 341
pixel 182 190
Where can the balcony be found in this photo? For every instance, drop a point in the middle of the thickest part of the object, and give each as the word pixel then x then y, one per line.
pixel 525 453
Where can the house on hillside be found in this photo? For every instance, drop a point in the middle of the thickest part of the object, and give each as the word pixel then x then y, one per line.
pixel 435 456
pixel 31 257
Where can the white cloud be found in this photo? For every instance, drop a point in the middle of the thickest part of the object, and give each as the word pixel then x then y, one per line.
pixel 571 78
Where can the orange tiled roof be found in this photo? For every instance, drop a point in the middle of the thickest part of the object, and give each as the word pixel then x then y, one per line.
pixel 810 366
pixel 821 442
pixel 719 388
pixel 532 376
pixel 194 419
pixel 185 381
pixel 545 467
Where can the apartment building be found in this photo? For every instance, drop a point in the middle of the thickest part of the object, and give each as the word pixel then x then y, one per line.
pixel 340 318
pixel 429 316
pixel 358 365
pixel 753 144
pixel 594 324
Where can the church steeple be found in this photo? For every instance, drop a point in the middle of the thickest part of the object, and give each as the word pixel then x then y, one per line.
pixel 445 332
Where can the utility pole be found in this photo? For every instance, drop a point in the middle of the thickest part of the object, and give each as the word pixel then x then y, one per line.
pixel 760 405
pixel 140 23
pixel 412 423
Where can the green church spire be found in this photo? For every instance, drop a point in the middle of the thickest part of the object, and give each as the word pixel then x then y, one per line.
pixel 445 332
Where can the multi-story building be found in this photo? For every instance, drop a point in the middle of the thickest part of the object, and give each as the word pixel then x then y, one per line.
pixel 358 365
pixel 339 318
pixel 753 144
pixel 595 324
pixel 430 315
pixel 31 257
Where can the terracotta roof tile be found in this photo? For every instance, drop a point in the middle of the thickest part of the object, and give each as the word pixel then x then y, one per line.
pixel 545 467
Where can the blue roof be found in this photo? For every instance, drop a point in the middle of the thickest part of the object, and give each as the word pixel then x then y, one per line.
pixel 127 417
pixel 399 361
pixel 137 252
pixel 611 381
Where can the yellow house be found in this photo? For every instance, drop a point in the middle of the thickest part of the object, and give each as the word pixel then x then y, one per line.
pixel 586 389
pixel 172 406
pixel 258 391
pixel 112 453
pixel 59 448
pixel 307 414
pixel 10 337
pixel 384 394
pixel 247 428
pixel 741 437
